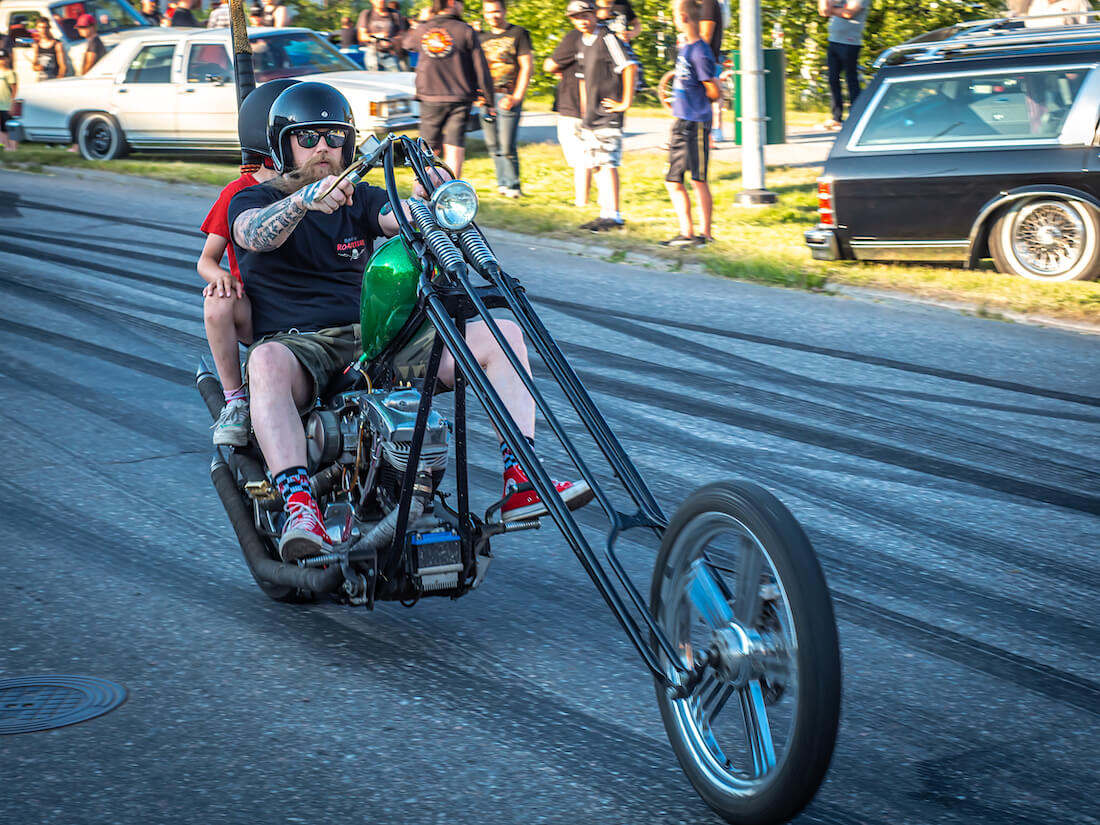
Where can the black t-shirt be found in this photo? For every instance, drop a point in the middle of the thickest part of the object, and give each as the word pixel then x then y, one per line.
pixel 385 26
pixel 348 37
pixel 710 10
pixel 620 16
pixel 95 46
pixel 184 18
pixel 567 55
pixel 501 51
pixel 313 280
pixel 602 63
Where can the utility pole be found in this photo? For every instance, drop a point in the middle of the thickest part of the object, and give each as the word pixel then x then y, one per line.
pixel 753 117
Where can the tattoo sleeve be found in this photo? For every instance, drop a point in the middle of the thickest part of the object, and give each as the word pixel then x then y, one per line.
pixel 262 230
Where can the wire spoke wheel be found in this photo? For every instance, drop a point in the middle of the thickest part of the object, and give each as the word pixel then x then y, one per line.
pixel 740 594
pixel 1047 239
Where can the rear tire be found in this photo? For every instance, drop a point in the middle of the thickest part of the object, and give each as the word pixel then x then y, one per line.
pixel 99 137
pixel 1047 239
pixel 664 89
pixel 734 559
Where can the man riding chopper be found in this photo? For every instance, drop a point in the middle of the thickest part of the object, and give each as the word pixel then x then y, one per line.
pixel 301 250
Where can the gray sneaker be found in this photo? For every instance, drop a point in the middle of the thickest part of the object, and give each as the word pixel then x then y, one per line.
pixel 233 424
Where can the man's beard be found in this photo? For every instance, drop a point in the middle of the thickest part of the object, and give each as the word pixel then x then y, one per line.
pixel 310 172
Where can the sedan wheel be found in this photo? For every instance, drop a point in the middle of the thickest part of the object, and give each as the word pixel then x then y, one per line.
pixel 100 138
pixel 1047 240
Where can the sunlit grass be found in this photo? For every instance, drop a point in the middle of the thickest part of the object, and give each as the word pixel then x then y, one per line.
pixel 754 244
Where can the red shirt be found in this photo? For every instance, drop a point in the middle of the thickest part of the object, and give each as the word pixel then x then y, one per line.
pixel 217 221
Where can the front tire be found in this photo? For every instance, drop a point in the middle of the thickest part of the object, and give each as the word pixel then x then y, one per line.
pixel 1047 239
pixel 99 137
pixel 735 568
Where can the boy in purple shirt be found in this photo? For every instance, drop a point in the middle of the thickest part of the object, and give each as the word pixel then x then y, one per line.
pixel 694 88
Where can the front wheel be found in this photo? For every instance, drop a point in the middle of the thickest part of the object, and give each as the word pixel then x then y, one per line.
pixel 741 596
pixel 664 89
pixel 99 137
pixel 1047 239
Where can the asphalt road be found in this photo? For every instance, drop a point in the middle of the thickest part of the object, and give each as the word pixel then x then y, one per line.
pixel 944 466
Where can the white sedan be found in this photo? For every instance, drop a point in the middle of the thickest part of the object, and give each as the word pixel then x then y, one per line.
pixel 164 88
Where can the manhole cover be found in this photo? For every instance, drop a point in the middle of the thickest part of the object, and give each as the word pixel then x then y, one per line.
pixel 33 703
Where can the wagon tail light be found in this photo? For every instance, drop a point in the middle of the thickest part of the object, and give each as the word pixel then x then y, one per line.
pixel 827 216
pixel 17 107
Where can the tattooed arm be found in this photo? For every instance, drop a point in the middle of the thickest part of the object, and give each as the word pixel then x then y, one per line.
pixel 262 230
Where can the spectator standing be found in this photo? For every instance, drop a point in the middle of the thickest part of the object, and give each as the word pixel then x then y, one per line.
pixel 256 16
pixel 349 37
pixel 711 30
pixel 9 85
pixel 219 17
pixel 451 73
pixel 276 14
pixel 183 17
pixel 565 62
pixel 607 83
pixel 846 21
pixel 694 87
pixel 507 49
pixel 93 45
pixel 619 17
pixel 151 10
pixel 380 31
pixel 47 53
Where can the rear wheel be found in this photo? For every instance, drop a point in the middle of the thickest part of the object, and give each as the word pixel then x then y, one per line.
pixel 664 89
pixel 1047 239
pixel 739 592
pixel 99 137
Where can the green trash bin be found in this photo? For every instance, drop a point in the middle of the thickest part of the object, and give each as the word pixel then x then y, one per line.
pixel 775 99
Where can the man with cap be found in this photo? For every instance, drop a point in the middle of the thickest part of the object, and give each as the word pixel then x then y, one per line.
pixel 607 83
pixel 183 16
pixel 93 45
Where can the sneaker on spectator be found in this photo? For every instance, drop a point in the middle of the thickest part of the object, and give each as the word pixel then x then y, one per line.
pixel 681 241
pixel 512 193
pixel 703 240
pixel 591 225
pixel 831 125
pixel 231 428
pixel 528 505
pixel 304 532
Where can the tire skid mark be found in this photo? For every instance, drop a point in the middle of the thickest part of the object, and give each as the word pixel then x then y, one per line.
pixel 884 420
pixel 959 401
pixel 160 226
pixel 80 309
pixel 119 252
pixel 599 315
pixel 1010 667
pixel 854 445
pixel 80 265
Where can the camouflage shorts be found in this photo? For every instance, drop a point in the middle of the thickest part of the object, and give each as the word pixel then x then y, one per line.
pixel 603 147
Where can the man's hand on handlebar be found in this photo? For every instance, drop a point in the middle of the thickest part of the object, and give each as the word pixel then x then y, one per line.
pixel 437 176
pixel 317 198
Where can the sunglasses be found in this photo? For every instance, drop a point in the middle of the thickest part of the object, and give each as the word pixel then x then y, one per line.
pixel 308 138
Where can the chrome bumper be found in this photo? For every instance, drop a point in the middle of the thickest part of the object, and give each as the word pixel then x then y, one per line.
pixel 15 130
pixel 822 243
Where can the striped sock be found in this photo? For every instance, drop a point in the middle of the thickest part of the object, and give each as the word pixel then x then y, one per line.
pixel 239 394
pixel 509 457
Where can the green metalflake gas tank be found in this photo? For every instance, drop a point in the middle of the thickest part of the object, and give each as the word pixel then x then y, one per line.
pixel 388 295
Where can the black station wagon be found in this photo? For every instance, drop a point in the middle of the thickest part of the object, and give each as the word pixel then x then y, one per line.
pixel 975 141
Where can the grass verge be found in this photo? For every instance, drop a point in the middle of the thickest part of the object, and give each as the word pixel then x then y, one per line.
pixel 754 244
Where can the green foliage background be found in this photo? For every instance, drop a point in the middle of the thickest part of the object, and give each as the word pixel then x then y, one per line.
pixel 794 26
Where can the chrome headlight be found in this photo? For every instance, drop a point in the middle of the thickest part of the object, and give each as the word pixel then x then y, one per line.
pixel 454 204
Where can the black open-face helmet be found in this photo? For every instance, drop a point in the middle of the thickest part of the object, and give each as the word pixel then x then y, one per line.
pixel 306 105
pixel 252 117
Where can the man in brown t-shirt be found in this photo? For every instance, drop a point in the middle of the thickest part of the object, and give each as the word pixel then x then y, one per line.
pixel 507 49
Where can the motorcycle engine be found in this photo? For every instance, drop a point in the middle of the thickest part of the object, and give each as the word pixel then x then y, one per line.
pixel 387 420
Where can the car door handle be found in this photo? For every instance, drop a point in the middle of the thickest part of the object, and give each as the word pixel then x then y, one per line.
pixel 123 90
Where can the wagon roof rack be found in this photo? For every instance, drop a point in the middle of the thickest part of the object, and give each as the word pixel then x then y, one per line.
pixel 980 37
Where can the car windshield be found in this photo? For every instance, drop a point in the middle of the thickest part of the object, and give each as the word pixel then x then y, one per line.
pixel 110 16
pixel 293 55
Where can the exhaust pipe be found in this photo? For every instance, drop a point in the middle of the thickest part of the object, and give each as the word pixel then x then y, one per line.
pixel 263 568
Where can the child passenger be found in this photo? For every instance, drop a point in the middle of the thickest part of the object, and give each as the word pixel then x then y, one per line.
pixel 226 311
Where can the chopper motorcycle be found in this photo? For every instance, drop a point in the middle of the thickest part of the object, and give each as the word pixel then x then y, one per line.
pixel 738 630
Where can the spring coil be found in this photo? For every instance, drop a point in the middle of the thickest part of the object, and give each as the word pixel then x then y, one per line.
pixel 437 240
pixel 473 244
